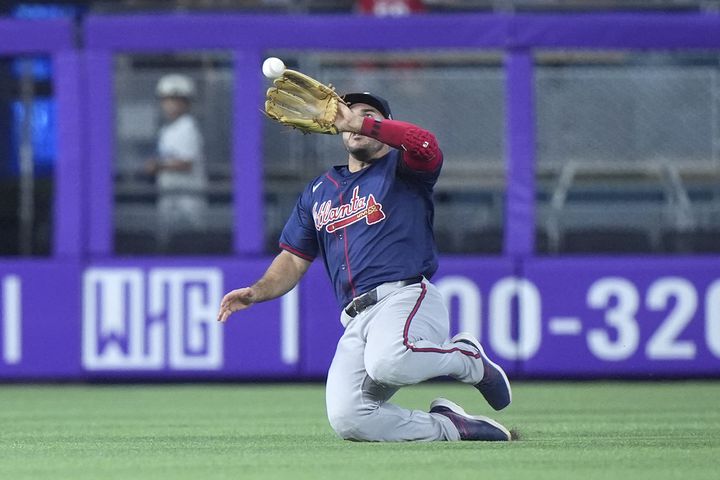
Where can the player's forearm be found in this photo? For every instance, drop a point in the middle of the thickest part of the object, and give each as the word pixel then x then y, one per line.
pixel 280 277
pixel 176 165
pixel 420 148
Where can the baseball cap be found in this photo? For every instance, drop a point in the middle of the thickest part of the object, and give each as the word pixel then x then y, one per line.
pixel 175 85
pixel 368 98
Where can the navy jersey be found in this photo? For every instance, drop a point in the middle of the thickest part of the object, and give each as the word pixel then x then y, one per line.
pixel 372 226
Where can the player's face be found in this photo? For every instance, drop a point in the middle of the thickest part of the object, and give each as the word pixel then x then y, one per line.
pixel 173 107
pixel 359 146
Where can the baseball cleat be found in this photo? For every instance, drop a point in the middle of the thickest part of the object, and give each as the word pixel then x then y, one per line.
pixel 471 428
pixel 494 386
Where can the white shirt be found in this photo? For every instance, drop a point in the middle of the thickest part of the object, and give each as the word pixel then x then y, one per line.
pixel 182 200
pixel 182 140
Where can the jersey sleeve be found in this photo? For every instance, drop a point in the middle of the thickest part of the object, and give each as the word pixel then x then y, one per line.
pixel 421 156
pixel 299 236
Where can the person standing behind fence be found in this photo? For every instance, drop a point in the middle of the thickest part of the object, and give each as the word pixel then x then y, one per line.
pixel 180 163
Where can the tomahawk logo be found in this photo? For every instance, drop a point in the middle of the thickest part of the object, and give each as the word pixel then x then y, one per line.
pixel 162 318
pixel 359 208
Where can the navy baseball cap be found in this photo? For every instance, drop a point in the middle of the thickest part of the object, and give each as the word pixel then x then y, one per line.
pixel 368 98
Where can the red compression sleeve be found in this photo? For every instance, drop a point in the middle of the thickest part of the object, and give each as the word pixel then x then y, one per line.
pixel 420 148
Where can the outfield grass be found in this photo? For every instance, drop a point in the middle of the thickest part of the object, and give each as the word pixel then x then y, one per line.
pixel 570 430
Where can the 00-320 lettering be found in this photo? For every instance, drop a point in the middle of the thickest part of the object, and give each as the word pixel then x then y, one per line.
pixel 617 298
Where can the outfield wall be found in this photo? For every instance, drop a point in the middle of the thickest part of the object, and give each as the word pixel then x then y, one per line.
pixel 156 318
pixel 83 314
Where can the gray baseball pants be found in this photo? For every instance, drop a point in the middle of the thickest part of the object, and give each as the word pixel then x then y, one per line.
pixel 399 341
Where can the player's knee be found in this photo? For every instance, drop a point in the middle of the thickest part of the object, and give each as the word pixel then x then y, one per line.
pixel 352 426
pixel 356 425
pixel 344 422
pixel 343 427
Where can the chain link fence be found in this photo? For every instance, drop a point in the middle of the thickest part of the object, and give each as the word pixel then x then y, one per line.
pixel 628 151
pixel 137 219
pixel 628 157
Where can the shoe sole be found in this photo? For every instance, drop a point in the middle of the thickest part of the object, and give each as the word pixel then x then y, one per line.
pixel 469 338
pixel 444 402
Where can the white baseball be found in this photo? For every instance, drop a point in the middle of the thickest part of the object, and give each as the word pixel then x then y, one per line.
pixel 273 67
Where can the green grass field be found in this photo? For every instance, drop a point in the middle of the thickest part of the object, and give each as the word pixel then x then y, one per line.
pixel 570 430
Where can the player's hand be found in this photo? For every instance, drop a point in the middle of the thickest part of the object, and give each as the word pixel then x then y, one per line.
pixel 151 167
pixel 239 299
pixel 347 120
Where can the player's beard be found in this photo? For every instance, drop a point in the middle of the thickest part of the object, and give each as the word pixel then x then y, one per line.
pixel 362 148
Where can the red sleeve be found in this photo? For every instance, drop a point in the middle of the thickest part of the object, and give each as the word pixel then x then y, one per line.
pixel 420 148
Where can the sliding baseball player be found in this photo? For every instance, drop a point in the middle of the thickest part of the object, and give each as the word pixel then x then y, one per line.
pixel 370 221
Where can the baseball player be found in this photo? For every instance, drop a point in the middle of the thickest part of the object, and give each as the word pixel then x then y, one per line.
pixel 370 221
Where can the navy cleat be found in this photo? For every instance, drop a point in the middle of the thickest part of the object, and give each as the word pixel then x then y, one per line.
pixel 471 428
pixel 494 386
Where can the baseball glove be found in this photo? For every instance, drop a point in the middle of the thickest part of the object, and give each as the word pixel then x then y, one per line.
pixel 302 102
